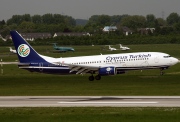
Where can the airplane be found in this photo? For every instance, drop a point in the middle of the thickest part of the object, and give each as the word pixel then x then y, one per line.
pixel 112 48
pixel 109 28
pixel 102 65
pixel 11 50
pixel 63 49
pixel 124 48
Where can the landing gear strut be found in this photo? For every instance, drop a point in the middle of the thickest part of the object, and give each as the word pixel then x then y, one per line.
pixel 161 72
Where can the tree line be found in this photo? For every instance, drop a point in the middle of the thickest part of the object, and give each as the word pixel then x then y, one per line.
pixel 37 23
pixel 105 39
pixel 166 30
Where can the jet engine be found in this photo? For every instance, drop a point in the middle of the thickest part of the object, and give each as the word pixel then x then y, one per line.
pixel 110 71
pixel 107 71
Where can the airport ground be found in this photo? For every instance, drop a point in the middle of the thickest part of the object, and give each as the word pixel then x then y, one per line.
pixel 17 82
pixel 90 114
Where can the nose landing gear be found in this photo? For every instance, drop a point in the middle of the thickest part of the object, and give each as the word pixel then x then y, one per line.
pixel 161 70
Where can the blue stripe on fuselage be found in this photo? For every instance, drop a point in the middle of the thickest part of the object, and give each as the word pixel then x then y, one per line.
pixel 48 68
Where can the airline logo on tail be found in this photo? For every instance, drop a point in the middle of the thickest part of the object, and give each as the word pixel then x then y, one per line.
pixel 23 50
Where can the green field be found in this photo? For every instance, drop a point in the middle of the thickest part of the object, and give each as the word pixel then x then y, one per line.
pixel 14 81
pixel 172 49
pixel 17 82
pixel 148 82
pixel 90 114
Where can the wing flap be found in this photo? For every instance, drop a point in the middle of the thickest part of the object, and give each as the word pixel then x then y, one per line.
pixel 80 69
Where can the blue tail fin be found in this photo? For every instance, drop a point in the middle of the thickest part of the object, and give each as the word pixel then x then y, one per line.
pixel 25 52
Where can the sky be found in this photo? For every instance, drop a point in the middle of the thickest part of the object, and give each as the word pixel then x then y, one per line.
pixel 84 9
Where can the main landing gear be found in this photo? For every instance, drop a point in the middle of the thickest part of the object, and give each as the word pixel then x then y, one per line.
pixel 97 77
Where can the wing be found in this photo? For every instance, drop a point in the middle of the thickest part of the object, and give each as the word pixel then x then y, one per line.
pixel 81 69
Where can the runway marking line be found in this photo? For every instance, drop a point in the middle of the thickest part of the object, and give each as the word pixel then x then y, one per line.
pixel 107 102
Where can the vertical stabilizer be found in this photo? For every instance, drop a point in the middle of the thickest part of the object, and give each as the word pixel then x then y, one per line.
pixel 25 52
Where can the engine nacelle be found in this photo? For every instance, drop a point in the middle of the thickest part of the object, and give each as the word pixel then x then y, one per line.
pixel 107 71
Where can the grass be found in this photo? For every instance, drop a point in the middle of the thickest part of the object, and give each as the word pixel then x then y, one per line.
pixel 148 82
pixel 17 82
pixel 90 114
pixel 171 49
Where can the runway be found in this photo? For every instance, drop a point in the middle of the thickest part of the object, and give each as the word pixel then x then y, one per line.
pixel 90 101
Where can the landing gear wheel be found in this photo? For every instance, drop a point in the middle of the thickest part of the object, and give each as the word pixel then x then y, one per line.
pixel 91 78
pixel 162 73
pixel 98 77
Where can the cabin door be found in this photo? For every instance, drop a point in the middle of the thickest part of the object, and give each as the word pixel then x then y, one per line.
pixel 156 59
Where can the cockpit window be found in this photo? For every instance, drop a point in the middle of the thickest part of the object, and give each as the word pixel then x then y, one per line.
pixel 167 56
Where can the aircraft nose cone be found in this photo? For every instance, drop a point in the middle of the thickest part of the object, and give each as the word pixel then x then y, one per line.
pixel 175 60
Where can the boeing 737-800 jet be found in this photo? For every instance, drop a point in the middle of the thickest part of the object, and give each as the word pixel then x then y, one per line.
pixel 102 65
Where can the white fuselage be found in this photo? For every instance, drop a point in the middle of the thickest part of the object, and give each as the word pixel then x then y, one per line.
pixel 111 48
pixel 127 60
pixel 11 50
pixel 124 48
